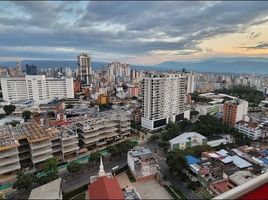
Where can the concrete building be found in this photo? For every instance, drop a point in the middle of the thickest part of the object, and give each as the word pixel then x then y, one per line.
pixel 103 128
pixel 31 69
pixel 209 109
pixel 141 163
pixel 118 72
pixel 163 100
pixel 36 87
pixel 234 111
pixel 103 99
pixel 84 68
pixel 190 82
pixel 249 129
pixel 51 190
pixel 28 146
pixel 188 139
pixel 133 91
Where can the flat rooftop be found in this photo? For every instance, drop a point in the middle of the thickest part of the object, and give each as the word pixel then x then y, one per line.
pixel 51 190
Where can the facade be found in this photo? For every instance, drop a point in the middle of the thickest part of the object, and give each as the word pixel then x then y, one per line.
pixel 141 163
pixel 209 109
pixel 188 139
pixel 133 91
pixel 31 69
pixel 118 72
pixel 190 82
pixel 103 99
pixel 163 100
pixel 102 128
pixel 234 111
pixel 37 87
pixel 28 146
pixel 84 68
pixel 251 130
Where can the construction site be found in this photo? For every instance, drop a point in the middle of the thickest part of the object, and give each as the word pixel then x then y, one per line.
pixel 29 144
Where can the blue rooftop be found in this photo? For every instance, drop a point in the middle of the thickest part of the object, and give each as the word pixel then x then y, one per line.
pixel 191 159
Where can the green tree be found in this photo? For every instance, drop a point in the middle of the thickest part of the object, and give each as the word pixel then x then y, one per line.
pixel 95 156
pixel 26 115
pixel 176 161
pixel 14 123
pixel 51 168
pixel 24 181
pixel 74 167
pixel 9 109
pixel 113 150
pixel 154 137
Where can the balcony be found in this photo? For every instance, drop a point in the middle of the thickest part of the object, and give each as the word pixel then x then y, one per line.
pixel 38 145
pixel 9 168
pixel 40 158
pixel 7 161
pixel 70 149
pixel 69 142
pixel 41 151
pixel 8 153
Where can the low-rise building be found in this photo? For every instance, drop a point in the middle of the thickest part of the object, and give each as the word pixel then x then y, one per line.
pixel 51 190
pixel 249 129
pixel 187 139
pixel 141 163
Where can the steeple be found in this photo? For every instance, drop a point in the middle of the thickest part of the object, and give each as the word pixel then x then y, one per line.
pixel 101 170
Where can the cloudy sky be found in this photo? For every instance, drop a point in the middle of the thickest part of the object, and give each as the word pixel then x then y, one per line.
pixel 134 32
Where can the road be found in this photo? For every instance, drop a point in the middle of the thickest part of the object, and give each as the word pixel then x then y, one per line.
pixel 71 183
pixel 174 180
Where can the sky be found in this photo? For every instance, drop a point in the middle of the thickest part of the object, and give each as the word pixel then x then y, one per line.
pixel 144 32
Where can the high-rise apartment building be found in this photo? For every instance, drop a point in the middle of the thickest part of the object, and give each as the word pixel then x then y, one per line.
pixel 190 82
pixel 31 69
pixel 234 111
pixel 84 68
pixel 163 98
pixel 118 72
pixel 37 87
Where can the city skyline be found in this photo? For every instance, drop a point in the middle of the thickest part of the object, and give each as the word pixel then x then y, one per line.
pixel 135 32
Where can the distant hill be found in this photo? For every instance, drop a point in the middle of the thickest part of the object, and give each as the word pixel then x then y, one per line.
pixel 231 66
pixel 53 63
pixel 225 65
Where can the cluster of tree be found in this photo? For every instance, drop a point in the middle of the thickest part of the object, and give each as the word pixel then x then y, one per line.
pixel 105 106
pixel 28 180
pixel 174 129
pixel 250 94
pixel 209 125
pixel 74 167
pixel 26 115
pixel 9 109
pixel 176 161
pixel 197 98
pixel 121 148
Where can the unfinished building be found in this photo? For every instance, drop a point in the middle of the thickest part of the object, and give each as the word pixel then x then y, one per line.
pixel 102 128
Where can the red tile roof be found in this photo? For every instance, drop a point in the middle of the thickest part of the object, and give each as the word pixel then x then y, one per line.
pixel 105 188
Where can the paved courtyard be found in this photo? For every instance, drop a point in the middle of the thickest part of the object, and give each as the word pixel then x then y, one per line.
pixel 151 190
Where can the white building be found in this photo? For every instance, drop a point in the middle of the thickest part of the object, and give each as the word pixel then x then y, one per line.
pixel 190 82
pixel 36 87
pixel 163 98
pixel 249 129
pixel 84 68
pixel 209 109
pixel 118 72
pixel 188 139
pixel 141 163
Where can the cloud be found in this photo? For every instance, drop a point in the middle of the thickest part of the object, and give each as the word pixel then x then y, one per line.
pixel 261 45
pixel 124 28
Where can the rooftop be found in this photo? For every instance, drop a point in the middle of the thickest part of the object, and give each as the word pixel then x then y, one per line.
pixel 51 190
pixel 185 137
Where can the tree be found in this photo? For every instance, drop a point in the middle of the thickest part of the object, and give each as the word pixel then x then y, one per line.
pixel 51 168
pixel 154 137
pixel 14 123
pixel 176 161
pixel 113 150
pixel 74 167
pixel 24 181
pixel 95 156
pixel 26 115
pixel 9 109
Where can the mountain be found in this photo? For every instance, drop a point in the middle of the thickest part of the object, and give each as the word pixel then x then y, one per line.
pixel 53 63
pixel 225 66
